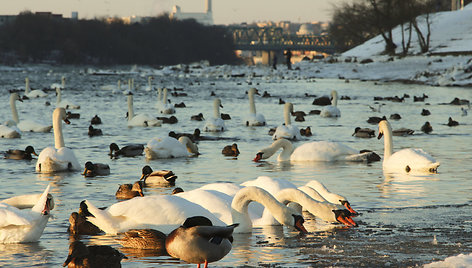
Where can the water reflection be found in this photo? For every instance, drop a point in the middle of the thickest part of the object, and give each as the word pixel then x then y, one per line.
pixel 22 254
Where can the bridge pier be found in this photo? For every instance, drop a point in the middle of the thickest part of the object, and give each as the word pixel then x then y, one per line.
pixel 268 57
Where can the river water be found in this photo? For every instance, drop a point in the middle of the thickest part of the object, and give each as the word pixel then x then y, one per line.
pixel 405 220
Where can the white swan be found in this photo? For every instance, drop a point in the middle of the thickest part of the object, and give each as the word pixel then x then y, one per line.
pixel 24 226
pixel 323 151
pixel 66 104
pixel 62 85
pixel 27 201
pixel 405 160
pixel 7 132
pixel 331 110
pixel 37 93
pixel 26 125
pixel 159 99
pixel 169 147
pixel 166 108
pixel 140 120
pixel 215 123
pixel 254 119
pixel 160 212
pixel 287 130
pixel 149 86
pixel 59 157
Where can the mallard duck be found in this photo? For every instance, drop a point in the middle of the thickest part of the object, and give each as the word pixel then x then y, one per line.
pixel 425 112
pixel 427 128
pixel 144 239
pixel 94 131
pixel 162 177
pixel 395 116
pixel 198 117
pixel 402 132
pixel 322 101
pixel 128 191
pixel 375 119
pixel 127 151
pixel 168 120
pixel 306 132
pixel 96 120
pixel 97 169
pixel 363 132
pixel 452 123
pixel 20 154
pixel 80 226
pixel 198 243
pixel 177 190
pixel 225 116
pixel 230 150
pixel 72 115
pixel 81 256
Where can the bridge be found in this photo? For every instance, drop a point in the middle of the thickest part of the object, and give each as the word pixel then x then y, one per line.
pixel 273 39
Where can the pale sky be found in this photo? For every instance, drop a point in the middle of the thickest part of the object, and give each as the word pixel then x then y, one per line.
pixel 224 11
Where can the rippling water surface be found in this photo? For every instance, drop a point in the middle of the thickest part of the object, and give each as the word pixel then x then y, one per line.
pixel 401 214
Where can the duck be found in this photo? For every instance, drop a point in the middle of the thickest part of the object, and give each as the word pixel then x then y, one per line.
pixel 144 239
pixel 21 154
pixel 395 116
pixel 131 150
pixel 37 93
pixel 71 115
pixel 306 132
pixel 452 123
pixel 96 169
pixel 427 128
pixel 225 116
pixel 166 108
pixel 197 243
pixel 463 111
pixel 162 211
pixel 78 224
pixel 375 119
pixel 24 225
pixel 281 101
pixel 7 132
pixel 27 125
pixel 59 157
pixel 363 132
pixel 425 112
pixel 94 131
pixel 299 118
pixel 198 117
pixel 66 104
pixel 331 110
pixel 254 119
pixel 287 130
pixel 215 124
pixel 405 160
pixel 83 256
pixel 96 120
pixel 159 177
pixel 321 151
pixel 177 190
pixel 140 120
pixel 128 191
pixel 230 150
pixel 322 101
pixel 402 132
pixel 169 147
pixel 168 120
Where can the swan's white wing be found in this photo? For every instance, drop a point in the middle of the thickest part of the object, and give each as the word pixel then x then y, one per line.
pixel 10 215
pixel 322 151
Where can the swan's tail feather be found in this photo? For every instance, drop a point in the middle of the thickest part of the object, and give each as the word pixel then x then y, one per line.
pixel 102 219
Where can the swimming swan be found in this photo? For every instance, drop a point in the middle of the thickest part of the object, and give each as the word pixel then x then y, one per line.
pixel 405 160
pixel 140 120
pixel 59 157
pixel 169 147
pixel 166 108
pixel 37 93
pixel 24 226
pixel 325 151
pixel 254 119
pixel 215 123
pixel 26 125
pixel 287 130
pixel 66 104
pixel 331 110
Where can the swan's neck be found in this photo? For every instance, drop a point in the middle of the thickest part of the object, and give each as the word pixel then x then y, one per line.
pixel 388 142
pixel 334 101
pixel 252 105
pixel 191 147
pixel 159 95
pixel 57 126
pixel 59 97
pixel 216 110
pixel 241 201
pixel 119 84
pixel 164 96
pixel 322 210
pixel 149 83
pixel 14 112
pixel 27 86
pixel 312 193
pixel 287 109
pixel 63 82
pixel 130 107
pixel 287 150
pixel 39 206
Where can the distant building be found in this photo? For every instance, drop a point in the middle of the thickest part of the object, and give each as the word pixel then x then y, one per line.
pixel 4 19
pixel 203 18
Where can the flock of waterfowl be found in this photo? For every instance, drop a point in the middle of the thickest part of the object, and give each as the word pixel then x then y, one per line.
pixel 201 231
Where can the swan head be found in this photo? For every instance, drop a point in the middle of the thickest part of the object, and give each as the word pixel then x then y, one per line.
pixel 253 91
pixel 217 103
pixel 347 205
pixel 383 127
pixel 15 97
pixel 344 216
pixel 259 156
pixel 298 219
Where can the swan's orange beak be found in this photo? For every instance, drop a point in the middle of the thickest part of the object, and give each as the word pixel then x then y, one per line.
pixel 299 224
pixel 258 157
pixel 348 206
pixel 380 135
pixel 67 121
pixel 344 217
